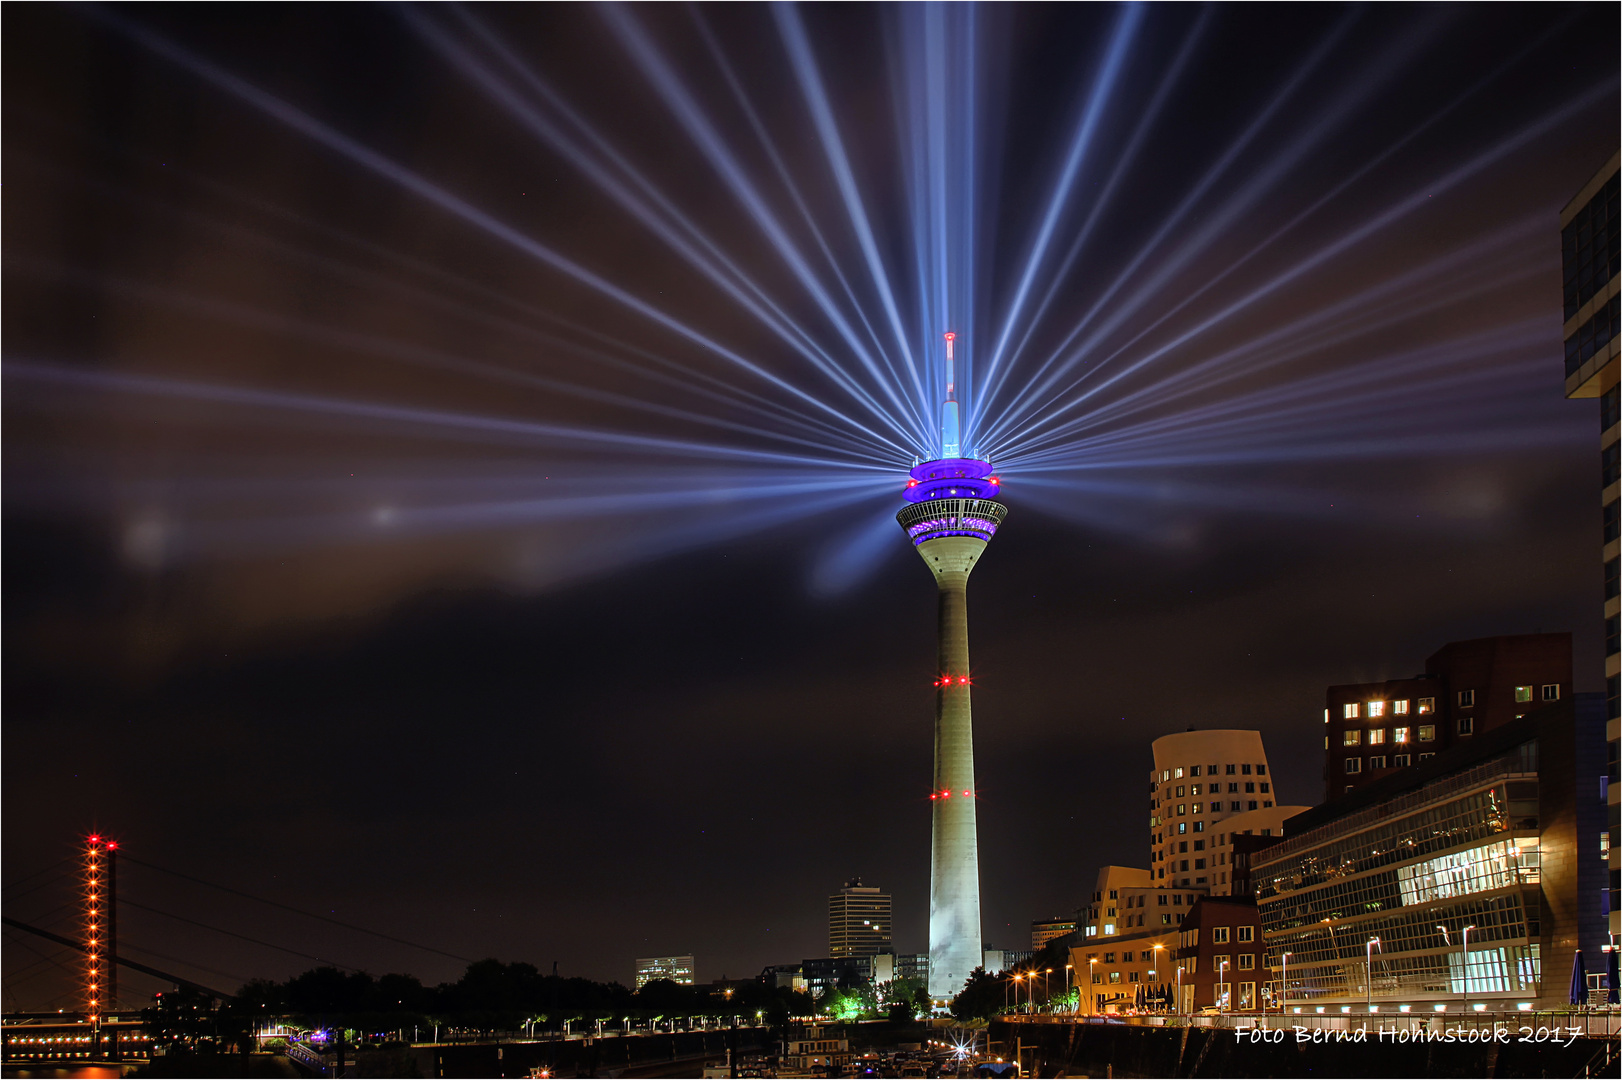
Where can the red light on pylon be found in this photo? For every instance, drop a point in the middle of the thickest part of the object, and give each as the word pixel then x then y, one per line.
pixel 993 480
pixel 112 846
pixel 950 336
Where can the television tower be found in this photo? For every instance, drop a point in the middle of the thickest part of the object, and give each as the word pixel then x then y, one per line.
pixel 951 513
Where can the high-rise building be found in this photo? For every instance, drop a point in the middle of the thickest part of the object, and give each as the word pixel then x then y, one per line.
pixel 1200 779
pixel 950 516
pixel 1045 930
pixel 1468 687
pixel 858 920
pixel 678 969
pixel 1590 262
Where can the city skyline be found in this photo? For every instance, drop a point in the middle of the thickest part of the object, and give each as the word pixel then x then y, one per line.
pixel 544 701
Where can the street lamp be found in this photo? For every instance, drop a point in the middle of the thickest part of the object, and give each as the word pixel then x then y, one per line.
pixel 1284 983
pixel 1368 968
pixel 1449 941
pixel 1047 999
pixel 1015 978
pixel 1222 981
pixel 1092 980
pixel 1067 968
pixel 1158 948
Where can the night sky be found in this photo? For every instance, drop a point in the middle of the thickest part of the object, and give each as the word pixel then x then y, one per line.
pixel 451 454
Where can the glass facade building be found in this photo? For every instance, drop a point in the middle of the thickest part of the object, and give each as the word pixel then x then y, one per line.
pixel 1371 895
pixel 1591 256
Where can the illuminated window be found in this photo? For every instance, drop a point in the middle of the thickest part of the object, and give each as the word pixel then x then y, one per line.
pixel 1352 737
pixel 1377 736
pixel 1551 691
pixel 1467 726
pixel 1182 826
pixel 1427 732
pixel 1194 790
pixel 1199 808
pixel 1377 762
pixel 1177 774
pixel 1523 693
pixel 1349 710
pixel 1400 708
pixel 1399 735
pixel 1115 976
pixel 1354 765
pixel 1427 705
pixel 1376 708
pixel 1467 699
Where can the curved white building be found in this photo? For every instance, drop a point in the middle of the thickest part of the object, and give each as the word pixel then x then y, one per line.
pixel 1200 780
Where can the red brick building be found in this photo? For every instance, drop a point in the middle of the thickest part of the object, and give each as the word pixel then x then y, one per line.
pixel 1372 730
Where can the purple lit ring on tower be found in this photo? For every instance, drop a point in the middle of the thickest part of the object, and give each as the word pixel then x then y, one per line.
pixel 952 478
pixel 951 517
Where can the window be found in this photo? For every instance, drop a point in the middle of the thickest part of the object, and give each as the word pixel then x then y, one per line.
pixel 1177 900
pixel 1261 770
pixel 1467 726
pixel 1183 847
pixel 1193 770
pixel 1132 977
pixel 1195 790
pixel 1199 845
pixel 1185 864
pixel 1377 762
pixel 1467 699
pixel 1109 958
pixel 1210 770
pixel 1182 811
pixel 1245 769
pixel 1266 802
pixel 1247 961
pixel 1551 691
pixel 1523 693
pixel 1219 935
pixel 1161 900
pixel 1266 788
pixel 1376 708
pixel 1422 757
pixel 1400 734
pixel 1348 711
pixel 1252 804
pixel 1247 996
pixel 1354 765
pixel 1199 864
pixel 1229 770
pixel 1233 789
pixel 1234 805
pixel 1182 826
pixel 1352 737
pixel 1246 933
pixel 1427 705
pixel 1180 791
pixel 1400 708
pixel 1193 965
pixel 1097 978
pixel 1377 736
pixel 1165 920
pixel 1402 761
pixel 1198 808
pixel 1427 732
pixel 1177 774
pixel 1250 787
pixel 1115 976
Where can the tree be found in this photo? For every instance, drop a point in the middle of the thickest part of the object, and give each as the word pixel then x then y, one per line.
pixel 982 996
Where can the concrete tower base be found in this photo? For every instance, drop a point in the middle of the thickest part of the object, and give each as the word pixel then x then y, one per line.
pixel 954 895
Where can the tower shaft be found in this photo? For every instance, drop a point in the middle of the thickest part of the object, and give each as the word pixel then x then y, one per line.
pixel 954 892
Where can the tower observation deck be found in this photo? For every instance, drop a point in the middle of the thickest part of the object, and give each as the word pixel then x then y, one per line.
pixel 951 513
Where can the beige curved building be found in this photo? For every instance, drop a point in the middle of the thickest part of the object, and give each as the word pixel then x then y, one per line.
pixel 1264 822
pixel 1200 780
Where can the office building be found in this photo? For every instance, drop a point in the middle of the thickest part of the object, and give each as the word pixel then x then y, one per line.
pixel 858 920
pixel 1200 779
pixel 1220 961
pixel 1589 265
pixel 951 514
pixel 913 967
pixel 1045 930
pixel 1462 874
pixel 678 969
pixel 1249 823
pixel 1126 901
pixel 1132 970
pixel 1372 730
